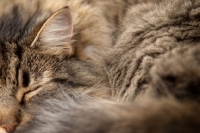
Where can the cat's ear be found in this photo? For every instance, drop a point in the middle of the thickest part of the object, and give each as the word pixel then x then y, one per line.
pixel 56 33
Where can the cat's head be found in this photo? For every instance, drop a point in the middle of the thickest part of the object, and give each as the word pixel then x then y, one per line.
pixel 37 65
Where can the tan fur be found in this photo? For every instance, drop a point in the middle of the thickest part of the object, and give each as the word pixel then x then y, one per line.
pixel 32 67
pixel 147 82
pixel 88 28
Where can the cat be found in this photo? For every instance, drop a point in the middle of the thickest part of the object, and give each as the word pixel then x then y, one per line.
pixel 48 47
pixel 129 85
pixel 153 72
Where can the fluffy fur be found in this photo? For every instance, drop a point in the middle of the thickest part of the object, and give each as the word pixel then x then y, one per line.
pixel 90 116
pixel 32 66
pixel 22 16
pixel 149 78
pixel 153 71
pixel 148 33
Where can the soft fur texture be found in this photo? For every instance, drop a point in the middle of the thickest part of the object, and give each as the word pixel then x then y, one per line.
pixel 150 32
pixel 147 82
pixel 89 116
pixel 153 71
pixel 24 16
pixel 33 66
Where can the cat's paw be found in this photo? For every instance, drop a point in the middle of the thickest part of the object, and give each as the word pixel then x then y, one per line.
pixel 178 73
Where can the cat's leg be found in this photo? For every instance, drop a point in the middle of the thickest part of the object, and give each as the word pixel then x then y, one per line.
pixel 178 73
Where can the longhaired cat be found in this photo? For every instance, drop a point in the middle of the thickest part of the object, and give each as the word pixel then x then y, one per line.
pixel 153 72
pixel 147 82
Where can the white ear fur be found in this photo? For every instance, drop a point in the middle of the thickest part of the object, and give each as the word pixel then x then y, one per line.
pixel 56 33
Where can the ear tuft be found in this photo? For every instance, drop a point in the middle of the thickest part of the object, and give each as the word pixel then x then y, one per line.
pixel 56 33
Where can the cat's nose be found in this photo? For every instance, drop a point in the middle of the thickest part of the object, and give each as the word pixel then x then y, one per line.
pixel 9 119
pixel 10 127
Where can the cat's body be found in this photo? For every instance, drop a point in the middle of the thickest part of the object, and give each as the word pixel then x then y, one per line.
pixel 149 78
pixel 149 33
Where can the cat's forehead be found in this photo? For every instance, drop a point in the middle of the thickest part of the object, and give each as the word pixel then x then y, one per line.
pixel 7 47
pixel 17 21
pixel 8 50
pixel 8 61
pixel 11 25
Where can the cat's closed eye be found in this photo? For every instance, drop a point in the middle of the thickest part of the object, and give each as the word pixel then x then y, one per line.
pixel 26 79
pixel 23 85
pixel 25 90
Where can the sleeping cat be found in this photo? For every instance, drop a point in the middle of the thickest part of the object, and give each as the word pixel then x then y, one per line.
pixel 129 88
pixel 48 47
pixel 153 73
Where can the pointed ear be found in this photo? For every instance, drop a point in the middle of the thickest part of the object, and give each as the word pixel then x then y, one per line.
pixel 56 33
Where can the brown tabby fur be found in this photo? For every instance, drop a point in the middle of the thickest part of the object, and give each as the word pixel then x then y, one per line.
pixel 148 82
pixel 31 68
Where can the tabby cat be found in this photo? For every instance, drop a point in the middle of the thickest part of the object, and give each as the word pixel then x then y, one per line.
pixel 147 82
pixel 47 47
